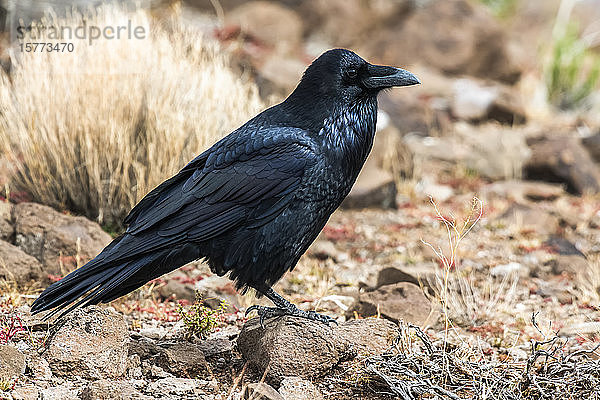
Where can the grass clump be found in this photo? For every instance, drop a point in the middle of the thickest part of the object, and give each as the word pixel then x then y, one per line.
pixel 573 72
pixel 93 130
pixel 200 320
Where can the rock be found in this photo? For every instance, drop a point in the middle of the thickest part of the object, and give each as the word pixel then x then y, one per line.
pixel 7 229
pixel 91 343
pixel 368 336
pixel 592 145
pixel 294 388
pixel 143 347
pixel 178 290
pixel 582 328
pixel 563 160
pixel 493 151
pixel 111 390
pixel 509 269
pixel 475 101
pixel 291 346
pixel 420 275
pixel 215 289
pixel 25 393
pixel 54 238
pixel 260 391
pixel 471 101
pixel 323 249
pixel 269 23
pixel 12 362
pixel 465 29
pixel 374 187
pixel 16 265
pixel 426 188
pixel 523 191
pixel 571 264
pixel 38 367
pixel 389 162
pixel 297 347
pixel 400 301
pixel 218 347
pixel 425 109
pixel 528 218
pixel 183 359
pixel 560 245
pixel 178 388
pixel 63 392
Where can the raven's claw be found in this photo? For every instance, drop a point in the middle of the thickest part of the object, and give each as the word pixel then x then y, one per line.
pixel 270 312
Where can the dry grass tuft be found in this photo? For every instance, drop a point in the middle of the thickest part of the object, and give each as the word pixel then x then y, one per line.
pixel 94 130
pixel 418 368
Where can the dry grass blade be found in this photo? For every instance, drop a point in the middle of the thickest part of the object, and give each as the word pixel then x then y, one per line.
pixel 92 131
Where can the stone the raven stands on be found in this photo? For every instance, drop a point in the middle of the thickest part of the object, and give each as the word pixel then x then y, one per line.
pixel 253 203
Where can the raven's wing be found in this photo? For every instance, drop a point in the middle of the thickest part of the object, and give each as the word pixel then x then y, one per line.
pixel 242 179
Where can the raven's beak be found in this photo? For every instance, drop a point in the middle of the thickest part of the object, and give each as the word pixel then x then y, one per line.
pixel 381 77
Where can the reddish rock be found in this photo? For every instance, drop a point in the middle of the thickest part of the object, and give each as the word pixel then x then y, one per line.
pixel 17 266
pixel 401 301
pixel 57 239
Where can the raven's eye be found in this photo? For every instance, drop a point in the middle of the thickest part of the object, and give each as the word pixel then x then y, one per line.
pixel 351 73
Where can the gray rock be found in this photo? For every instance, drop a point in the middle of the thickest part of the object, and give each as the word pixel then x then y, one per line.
pixel 54 238
pixel 260 391
pixel 399 301
pixel 368 336
pixel 294 388
pixel 183 359
pixel 91 343
pixel 111 390
pixel 178 388
pixel 565 160
pixel 291 346
pixel 476 101
pixel 25 393
pixel 12 362
pixel 63 392
pixel 16 265
pixel 217 347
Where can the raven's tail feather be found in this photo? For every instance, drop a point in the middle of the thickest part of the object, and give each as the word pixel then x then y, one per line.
pixel 101 282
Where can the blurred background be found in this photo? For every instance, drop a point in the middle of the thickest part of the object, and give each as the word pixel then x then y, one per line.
pixel 508 111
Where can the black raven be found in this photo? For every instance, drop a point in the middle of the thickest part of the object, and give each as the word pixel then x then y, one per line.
pixel 253 203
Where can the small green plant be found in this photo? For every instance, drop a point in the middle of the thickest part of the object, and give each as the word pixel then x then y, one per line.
pixel 6 385
pixel 200 320
pixel 573 71
pixel 501 8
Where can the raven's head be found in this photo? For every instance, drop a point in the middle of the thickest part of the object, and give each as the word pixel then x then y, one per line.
pixel 340 75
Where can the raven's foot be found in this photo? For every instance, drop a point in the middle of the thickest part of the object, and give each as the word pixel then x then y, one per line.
pixel 270 312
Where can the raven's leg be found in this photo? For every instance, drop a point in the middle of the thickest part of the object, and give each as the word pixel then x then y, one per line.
pixel 284 307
